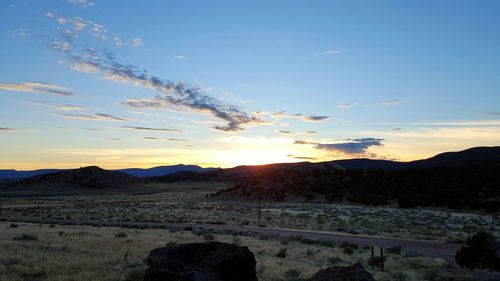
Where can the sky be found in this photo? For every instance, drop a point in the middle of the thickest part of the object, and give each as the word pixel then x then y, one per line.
pixel 224 83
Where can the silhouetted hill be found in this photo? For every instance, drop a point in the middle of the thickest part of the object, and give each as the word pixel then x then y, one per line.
pixel 87 180
pixel 163 170
pixel 468 179
pixel 486 156
pixel 137 172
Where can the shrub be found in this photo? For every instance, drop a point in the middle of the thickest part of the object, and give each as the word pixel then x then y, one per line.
pixel 208 237
pixel 282 253
pixel 292 273
pixel 335 260
pixel 479 251
pixel 26 237
pixel 121 235
pixel 348 251
pixel 13 225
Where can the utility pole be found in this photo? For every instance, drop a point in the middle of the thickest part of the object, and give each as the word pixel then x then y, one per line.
pixel 258 209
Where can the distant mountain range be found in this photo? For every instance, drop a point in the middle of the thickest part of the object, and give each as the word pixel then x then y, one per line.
pixel 465 179
pixel 484 156
pixel 137 172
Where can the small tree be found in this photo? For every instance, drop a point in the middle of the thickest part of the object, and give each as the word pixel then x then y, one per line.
pixel 480 251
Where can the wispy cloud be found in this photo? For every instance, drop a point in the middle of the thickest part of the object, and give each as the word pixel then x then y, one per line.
pixel 284 114
pixel 391 102
pixel 163 139
pixel 55 106
pixel 84 3
pixel 179 57
pixel 332 52
pixel 345 105
pixel 285 132
pixel 137 42
pixel 151 129
pixel 179 96
pixel 36 87
pixel 494 113
pixel 301 157
pixel 94 117
pixel 350 146
pixel 3 129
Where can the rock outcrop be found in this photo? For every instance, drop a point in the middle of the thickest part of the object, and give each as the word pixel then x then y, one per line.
pixel 212 261
pixel 355 272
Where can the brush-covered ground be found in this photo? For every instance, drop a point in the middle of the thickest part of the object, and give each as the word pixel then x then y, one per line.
pixel 188 203
pixel 81 253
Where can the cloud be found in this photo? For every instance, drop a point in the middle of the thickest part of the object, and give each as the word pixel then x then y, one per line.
pixel 118 41
pixel 3 129
pixel 113 139
pixel 493 114
pixel 397 129
pixel 151 129
pixel 311 132
pixel 36 87
pixel 84 3
pixel 286 132
pixel 84 67
pixel 312 118
pixel 161 139
pixel 179 96
pixel 60 107
pixel 284 114
pixel 179 57
pixel 345 105
pixel 391 102
pixel 354 146
pixel 332 52
pixel 137 42
pixel 301 157
pixel 94 117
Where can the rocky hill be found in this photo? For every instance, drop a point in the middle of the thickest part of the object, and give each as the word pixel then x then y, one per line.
pixel 86 180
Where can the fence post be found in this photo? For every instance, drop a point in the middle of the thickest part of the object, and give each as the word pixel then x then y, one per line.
pixel 373 257
pixel 382 259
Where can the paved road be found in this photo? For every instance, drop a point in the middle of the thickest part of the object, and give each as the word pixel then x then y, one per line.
pixel 444 251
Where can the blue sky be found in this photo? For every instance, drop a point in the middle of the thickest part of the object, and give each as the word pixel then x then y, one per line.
pixel 257 82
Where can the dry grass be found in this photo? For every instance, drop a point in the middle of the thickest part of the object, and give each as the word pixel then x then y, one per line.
pixel 83 253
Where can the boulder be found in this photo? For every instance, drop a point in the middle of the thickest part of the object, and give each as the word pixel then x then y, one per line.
pixel 212 261
pixel 355 272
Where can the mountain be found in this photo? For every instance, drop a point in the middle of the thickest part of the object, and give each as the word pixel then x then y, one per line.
pixel 484 156
pixel 14 174
pixel 86 180
pixel 137 172
pixel 163 170
pixel 472 156
pixel 468 179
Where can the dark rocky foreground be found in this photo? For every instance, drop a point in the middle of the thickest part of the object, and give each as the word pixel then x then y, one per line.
pixel 218 261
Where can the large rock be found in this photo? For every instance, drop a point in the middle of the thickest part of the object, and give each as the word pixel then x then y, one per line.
pixel 212 261
pixel 355 272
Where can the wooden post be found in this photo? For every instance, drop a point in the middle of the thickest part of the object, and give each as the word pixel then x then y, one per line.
pixel 382 259
pixel 373 257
